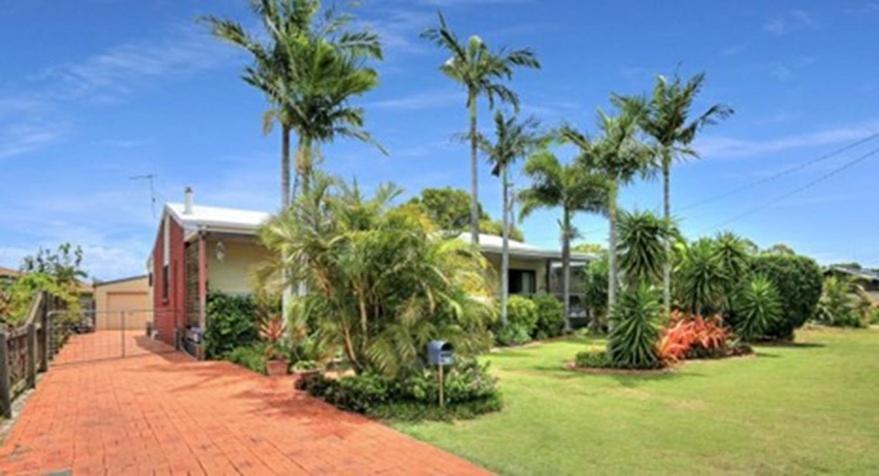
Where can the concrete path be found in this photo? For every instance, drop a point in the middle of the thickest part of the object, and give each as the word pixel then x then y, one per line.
pixel 163 413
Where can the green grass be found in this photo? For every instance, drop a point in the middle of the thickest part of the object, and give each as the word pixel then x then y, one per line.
pixel 805 408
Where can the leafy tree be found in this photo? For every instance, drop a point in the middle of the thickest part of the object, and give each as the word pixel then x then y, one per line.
pixel 571 187
pixel 594 248
pixel 757 307
pixel 620 157
pixel 480 71
pixel 595 291
pixel 513 140
pixel 634 336
pixel 449 209
pixel 308 67
pixel 665 117
pixel 837 306
pixel 700 277
pixel 798 281
pixel 780 249
pixel 642 246
pixel 64 265
pixel 381 281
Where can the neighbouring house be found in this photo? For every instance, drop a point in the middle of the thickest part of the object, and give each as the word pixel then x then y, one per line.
pixel 200 247
pixel 124 303
pixel 868 279
pixel 8 276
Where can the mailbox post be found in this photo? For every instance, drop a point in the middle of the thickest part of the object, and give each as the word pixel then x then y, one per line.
pixel 440 353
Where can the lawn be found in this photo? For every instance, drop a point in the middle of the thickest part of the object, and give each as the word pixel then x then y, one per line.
pixel 804 408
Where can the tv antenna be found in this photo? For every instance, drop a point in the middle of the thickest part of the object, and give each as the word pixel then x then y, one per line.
pixel 151 179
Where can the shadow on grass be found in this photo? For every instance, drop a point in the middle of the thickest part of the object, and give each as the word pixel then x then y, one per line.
pixel 793 345
pixel 767 355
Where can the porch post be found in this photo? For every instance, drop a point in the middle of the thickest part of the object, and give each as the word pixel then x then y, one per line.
pixel 202 281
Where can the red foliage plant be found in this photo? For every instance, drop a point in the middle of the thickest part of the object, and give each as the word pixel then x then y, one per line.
pixel 689 336
pixel 272 330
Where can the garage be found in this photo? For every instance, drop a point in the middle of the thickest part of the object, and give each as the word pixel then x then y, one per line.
pixel 123 304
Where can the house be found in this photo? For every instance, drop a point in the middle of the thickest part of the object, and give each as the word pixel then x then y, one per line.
pixel 123 303
pixel 200 247
pixel 8 276
pixel 867 279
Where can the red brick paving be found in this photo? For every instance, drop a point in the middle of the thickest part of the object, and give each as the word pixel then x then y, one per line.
pixel 163 413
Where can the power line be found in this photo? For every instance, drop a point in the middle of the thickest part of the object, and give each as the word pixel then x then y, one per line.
pixel 151 179
pixel 806 186
pixel 788 171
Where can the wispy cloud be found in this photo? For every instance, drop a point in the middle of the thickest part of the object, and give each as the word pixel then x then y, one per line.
pixel 719 146
pixel 17 139
pixel 792 21
pixel 419 101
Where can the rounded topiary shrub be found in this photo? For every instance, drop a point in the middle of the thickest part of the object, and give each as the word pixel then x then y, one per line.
pixel 521 321
pixel 550 316
pixel 798 281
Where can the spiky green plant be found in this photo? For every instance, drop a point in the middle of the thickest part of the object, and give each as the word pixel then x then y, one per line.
pixel 634 335
pixel 700 277
pixel 480 71
pixel 757 307
pixel 642 246
pixel 736 261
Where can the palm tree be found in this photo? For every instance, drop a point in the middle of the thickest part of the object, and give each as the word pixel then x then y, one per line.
pixel 513 139
pixel 619 156
pixel 479 70
pixel 572 187
pixel 665 116
pixel 308 68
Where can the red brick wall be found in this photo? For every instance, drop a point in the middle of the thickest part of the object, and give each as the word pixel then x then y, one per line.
pixel 168 311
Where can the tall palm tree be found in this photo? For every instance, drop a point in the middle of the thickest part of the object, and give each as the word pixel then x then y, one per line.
pixel 620 156
pixel 572 187
pixel 308 68
pixel 665 118
pixel 514 139
pixel 479 69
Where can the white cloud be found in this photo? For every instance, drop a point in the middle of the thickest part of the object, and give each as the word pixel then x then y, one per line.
pixel 792 21
pixel 719 146
pixel 418 101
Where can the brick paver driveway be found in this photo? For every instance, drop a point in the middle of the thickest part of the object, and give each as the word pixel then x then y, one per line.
pixel 163 413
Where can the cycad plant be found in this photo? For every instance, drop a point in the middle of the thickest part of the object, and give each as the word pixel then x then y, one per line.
pixel 757 306
pixel 736 262
pixel 837 306
pixel 513 140
pixel 666 118
pixel 634 336
pixel 480 71
pixel 308 66
pixel 642 237
pixel 382 281
pixel 571 187
pixel 700 277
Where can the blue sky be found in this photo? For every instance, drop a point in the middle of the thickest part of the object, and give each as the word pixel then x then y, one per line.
pixel 96 91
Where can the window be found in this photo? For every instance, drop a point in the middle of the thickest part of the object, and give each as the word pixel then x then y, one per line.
pixel 165 282
pixel 522 281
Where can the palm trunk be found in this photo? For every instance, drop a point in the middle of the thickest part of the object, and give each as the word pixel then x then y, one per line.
pixel 285 167
pixel 474 178
pixel 505 248
pixel 566 268
pixel 303 163
pixel 666 206
pixel 612 249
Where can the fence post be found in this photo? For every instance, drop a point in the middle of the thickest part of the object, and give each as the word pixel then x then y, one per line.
pixel 31 355
pixel 44 323
pixel 5 395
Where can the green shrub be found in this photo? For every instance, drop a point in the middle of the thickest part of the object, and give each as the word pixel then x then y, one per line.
pixel 757 307
pixel 798 280
pixel 634 334
pixel 230 323
pixel 837 305
pixel 595 292
pixel 252 357
pixel 874 316
pixel 594 359
pixel 522 319
pixel 550 316
pixel 469 390
pixel 699 279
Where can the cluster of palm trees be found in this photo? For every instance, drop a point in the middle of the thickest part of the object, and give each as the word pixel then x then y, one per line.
pixel 310 64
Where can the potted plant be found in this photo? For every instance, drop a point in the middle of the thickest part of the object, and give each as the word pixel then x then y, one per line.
pixel 304 370
pixel 272 331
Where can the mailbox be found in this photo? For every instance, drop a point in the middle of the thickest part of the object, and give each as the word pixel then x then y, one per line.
pixel 440 352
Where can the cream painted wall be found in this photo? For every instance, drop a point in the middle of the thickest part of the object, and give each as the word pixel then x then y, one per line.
pixel 233 274
pixel 131 297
